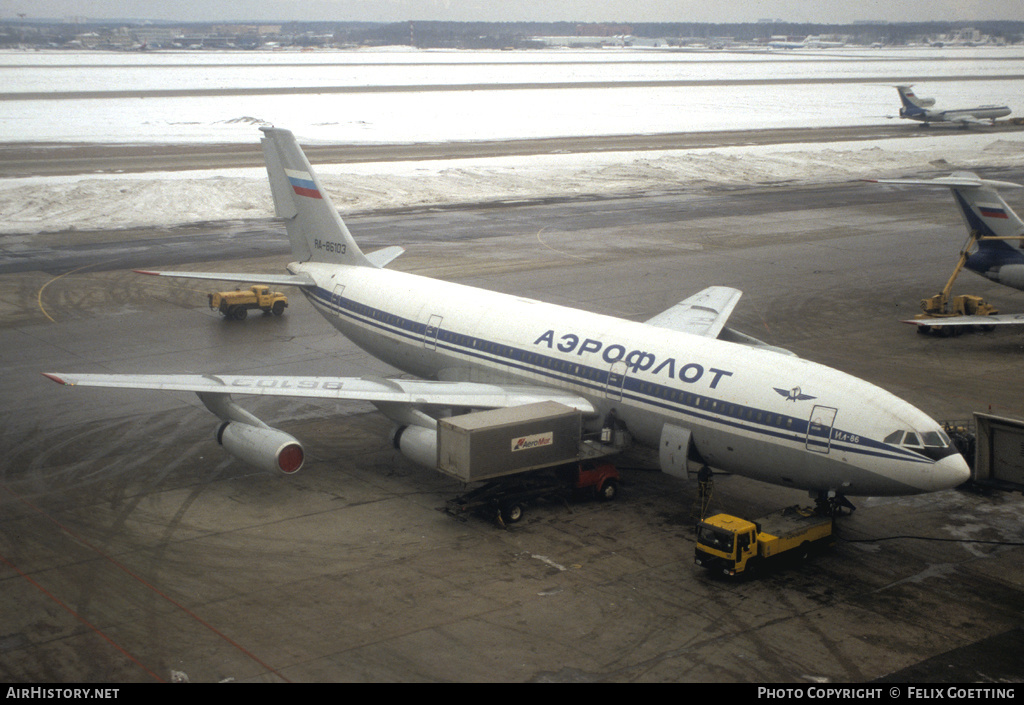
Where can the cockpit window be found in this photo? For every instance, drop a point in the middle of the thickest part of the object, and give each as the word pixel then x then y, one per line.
pixel 894 438
pixel 910 439
pixel 933 444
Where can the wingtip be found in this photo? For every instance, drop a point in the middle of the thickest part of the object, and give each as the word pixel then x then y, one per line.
pixel 56 378
pixel 146 272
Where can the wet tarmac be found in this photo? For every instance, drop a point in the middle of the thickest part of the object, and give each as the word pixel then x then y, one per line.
pixel 132 549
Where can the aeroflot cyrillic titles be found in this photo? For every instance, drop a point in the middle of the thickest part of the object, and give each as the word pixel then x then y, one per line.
pixel 635 360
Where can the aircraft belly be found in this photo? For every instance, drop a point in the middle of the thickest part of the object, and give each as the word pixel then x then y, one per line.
pixel 786 462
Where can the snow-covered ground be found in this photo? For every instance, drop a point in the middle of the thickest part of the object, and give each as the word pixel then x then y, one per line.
pixel 112 201
pixel 97 202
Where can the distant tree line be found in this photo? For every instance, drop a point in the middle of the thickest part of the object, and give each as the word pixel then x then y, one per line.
pixel 501 35
pixel 517 34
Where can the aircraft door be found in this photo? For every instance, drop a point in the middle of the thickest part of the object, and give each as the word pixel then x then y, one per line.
pixel 673 450
pixel 819 429
pixel 430 332
pixel 336 296
pixel 616 380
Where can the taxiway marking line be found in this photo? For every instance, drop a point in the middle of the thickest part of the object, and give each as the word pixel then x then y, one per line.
pixel 60 603
pixel 142 581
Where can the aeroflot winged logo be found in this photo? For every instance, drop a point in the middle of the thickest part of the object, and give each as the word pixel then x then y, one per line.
pixel 793 394
pixel 302 183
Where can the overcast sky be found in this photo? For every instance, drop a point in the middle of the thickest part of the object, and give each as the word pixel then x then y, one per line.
pixel 818 11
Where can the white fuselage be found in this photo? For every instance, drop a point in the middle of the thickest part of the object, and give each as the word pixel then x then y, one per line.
pixel 762 414
pixel 987 112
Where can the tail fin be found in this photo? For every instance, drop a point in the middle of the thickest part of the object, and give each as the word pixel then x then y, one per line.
pixel 316 231
pixel 983 209
pixel 912 105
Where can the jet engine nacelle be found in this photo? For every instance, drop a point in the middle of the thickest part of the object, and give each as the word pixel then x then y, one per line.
pixel 263 447
pixel 418 444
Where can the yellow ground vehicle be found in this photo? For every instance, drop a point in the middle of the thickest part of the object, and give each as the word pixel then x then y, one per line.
pixel 236 304
pixel 943 306
pixel 733 545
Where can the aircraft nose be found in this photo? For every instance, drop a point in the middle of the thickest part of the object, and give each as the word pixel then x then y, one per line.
pixel 950 472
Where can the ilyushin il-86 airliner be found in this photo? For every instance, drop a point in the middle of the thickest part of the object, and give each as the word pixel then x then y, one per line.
pixel 682 382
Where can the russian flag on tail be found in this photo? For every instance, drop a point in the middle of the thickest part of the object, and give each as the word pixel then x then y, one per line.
pixel 992 211
pixel 302 183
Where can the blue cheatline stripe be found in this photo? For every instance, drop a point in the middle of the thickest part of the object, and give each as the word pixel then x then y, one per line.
pixel 788 428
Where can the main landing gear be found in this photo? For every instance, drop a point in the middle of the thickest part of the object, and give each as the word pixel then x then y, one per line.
pixel 831 504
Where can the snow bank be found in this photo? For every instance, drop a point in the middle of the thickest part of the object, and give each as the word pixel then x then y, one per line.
pixel 102 202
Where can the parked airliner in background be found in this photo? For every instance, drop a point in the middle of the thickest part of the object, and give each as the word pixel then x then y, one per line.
pixel 681 382
pixel 920 109
pixel 997 233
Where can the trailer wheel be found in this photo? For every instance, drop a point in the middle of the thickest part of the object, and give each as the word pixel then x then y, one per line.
pixel 240 313
pixel 608 491
pixel 804 552
pixel 511 512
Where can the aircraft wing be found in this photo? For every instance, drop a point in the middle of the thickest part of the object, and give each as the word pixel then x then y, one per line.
pixel 966 120
pixel 999 319
pixel 704 313
pixel 377 390
pixel 960 179
pixel 275 279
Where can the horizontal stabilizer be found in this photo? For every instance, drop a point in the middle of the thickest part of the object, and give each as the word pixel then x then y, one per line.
pixel 381 258
pixel 275 279
pixel 399 391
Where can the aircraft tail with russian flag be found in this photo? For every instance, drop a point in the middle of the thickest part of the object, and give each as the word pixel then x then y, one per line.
pixel 998 255
pixel 316 231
